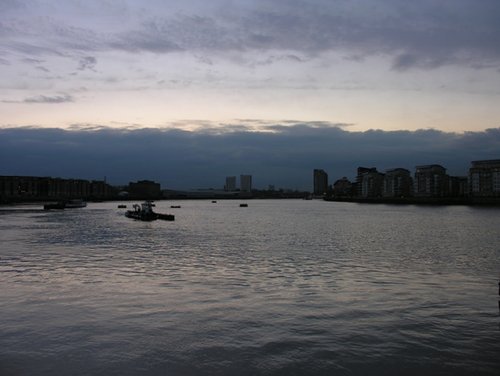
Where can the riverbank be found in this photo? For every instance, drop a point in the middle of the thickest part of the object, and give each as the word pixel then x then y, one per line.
pixel 484 201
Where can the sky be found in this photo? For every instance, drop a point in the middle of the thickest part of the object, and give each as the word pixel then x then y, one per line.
pixel 264 70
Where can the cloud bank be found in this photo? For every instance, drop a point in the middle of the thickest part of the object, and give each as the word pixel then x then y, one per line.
pixel 387 64
pixel 282 154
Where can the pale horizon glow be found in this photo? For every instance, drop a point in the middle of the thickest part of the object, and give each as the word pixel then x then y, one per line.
pixel 389 66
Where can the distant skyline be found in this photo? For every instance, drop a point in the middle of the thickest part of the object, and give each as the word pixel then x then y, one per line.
pixel 360 65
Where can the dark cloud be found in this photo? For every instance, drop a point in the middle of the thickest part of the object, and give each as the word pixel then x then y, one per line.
pixel 283 155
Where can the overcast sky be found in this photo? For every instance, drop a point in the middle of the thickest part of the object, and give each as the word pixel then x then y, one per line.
pixel 385 64
pixel 307 78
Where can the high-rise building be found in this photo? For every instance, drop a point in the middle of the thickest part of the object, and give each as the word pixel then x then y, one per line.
pixel 230 184
pixel 320 181
pixel 484 178
pixel 246 183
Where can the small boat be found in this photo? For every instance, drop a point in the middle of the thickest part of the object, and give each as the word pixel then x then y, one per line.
pixel 175 206
pixel 54 205
pixel 214 202
pixel 243 205
pixel 72 204
pixel 144 212
pixel 122 206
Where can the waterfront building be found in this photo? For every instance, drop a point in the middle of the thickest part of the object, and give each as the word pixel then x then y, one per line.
pixel 100 189
pixel 369 182
pixel 246 183
pixel 484 178
pixel 431 181
pixel 342 188
pixel 144 189
pixel 13 188
pixel 19 187
pixel 458 186
pixel 397 183
pixel 320 181
pixel 361 171
pixel 230 185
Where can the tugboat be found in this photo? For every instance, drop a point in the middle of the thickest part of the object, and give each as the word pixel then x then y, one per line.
pixel 144 212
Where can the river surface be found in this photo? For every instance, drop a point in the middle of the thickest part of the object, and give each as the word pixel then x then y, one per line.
pixel 282 287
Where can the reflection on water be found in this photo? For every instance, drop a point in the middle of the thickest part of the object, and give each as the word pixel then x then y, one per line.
pixel 280 287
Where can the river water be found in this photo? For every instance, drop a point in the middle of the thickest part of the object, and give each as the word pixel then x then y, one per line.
pixel 282 287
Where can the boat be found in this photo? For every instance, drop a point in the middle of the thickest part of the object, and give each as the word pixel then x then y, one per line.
pixel 144 212
pixel 243 205
pixel 54 205
pixel 175 206
pixel 72 204
pixel 122 206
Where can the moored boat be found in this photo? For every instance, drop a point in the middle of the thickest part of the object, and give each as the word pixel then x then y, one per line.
pixel 69 204
pixel 77 203
pixel 54 205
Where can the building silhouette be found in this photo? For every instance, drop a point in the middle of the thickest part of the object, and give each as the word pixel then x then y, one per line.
pixel 342 188
pixel 144 189
pixel 369 182
pixel 320 182
pixel 484 177
pixel 230 185
pixel 26 188
pixel 246 183
pixel 431 181
pixel 397 183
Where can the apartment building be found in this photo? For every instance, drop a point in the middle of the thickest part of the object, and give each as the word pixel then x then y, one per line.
pixel 320 182
pixel 484 178
pixel 397 183
pixel 431 181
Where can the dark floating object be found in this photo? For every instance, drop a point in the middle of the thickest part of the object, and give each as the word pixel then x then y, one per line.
pixel 175 206
pixel 56 205
pixel 243 205
pixel 122 206
pixel 73 204
pixel 144 212
pixel 214 202
pixel 70 204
